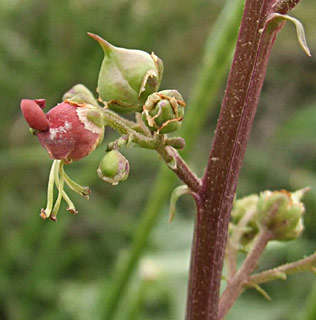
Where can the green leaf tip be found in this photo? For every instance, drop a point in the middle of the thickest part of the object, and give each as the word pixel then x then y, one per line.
pixel 106 46
pixel 262 292
pixel 175 195
pixel 299 30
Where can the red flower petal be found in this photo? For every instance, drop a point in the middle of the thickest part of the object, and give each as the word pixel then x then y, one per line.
pixel 41 103
pixel 34 115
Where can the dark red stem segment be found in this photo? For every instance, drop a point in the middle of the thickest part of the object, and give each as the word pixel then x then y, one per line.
pixel 220 179
pixel 284 6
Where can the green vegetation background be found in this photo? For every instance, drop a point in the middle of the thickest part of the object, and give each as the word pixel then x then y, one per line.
pixel 60 271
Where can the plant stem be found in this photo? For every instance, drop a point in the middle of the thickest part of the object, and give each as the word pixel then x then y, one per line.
pixel 309 309
pixel 184 173
pixel 220 179
pixel 233 243
pixel 120 125
pixel 283 6
pixel 236 285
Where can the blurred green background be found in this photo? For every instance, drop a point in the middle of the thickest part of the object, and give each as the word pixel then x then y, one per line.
pixel 62 270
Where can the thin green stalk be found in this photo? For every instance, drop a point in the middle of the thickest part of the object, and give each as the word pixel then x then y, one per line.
pixel 118 124
pixel 157 142
pixel 126 268
pixel 216 61
pixel 310 308
pixel 50 192
pixel 138 300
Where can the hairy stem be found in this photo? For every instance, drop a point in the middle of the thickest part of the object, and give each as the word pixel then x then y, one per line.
pixel 219 183
pixel 120 125
pixel 183 172
pixel 283 6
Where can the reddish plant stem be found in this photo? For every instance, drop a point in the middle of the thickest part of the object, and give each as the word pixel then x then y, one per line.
pixel 220 179
pixel 284 6
pixel 181 169
pixel 236 285
pixel 186 175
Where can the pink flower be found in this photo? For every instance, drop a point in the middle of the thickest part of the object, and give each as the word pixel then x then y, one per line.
pixel 69 131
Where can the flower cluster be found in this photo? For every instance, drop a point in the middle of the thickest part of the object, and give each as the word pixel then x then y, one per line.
pixel 280 212
pixel 128 82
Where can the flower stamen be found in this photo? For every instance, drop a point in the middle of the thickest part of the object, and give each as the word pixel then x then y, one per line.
pixel 59 180
pixel 50 193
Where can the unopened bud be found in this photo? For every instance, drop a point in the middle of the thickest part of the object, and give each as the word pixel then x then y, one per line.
pixel 245 212
pixel 127 77
pixel 113 168
pixel 163 111
pixel 80 94
pixel 281 212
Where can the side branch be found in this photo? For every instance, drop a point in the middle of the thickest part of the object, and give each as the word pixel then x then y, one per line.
pixel 236 285
pixel 306 264
pixel 160 143
pixel 181 169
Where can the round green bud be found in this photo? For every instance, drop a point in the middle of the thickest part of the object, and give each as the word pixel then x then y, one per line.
pixel 281 212
pixel 127 77
pixel 80 94
pixel 163 111
pixel 113 167
pixel 241 208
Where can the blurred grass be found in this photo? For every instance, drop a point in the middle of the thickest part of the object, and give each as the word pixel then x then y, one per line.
pixel 57 271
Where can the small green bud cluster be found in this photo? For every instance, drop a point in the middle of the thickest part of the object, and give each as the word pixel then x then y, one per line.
pixel 245 212
pixel 128 82
pixel 280 212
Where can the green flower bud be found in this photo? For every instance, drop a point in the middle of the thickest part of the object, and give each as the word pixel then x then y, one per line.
pixel 246 208
pixel 281 212
pixel 113 167
pixel 163 111
pixel 127 77
pixel 80 94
